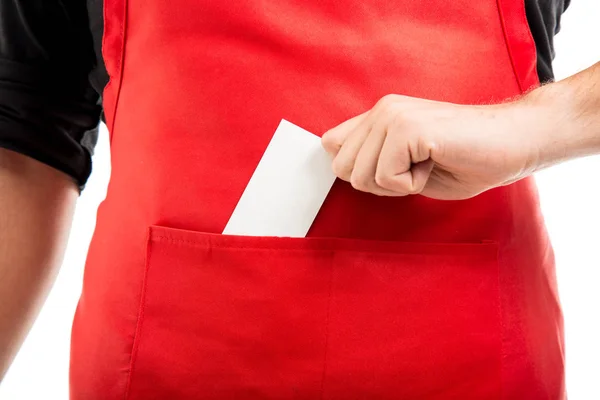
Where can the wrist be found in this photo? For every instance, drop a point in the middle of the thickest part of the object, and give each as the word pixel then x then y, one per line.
pixel 562 121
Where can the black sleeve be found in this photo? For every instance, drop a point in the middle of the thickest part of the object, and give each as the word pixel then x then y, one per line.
pixel 544 20
pixel 48 109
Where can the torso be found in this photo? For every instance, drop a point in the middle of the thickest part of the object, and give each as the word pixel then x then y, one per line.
pixel 386 298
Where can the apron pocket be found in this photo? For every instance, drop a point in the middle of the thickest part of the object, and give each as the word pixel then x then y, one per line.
pixel 239 317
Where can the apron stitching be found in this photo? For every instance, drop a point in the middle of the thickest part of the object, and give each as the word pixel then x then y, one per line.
pixel 137 333
pixel 327 321
pixel 508 47
pixel 440 248
pixel 525 23
pixel 120 66
pixel 502 330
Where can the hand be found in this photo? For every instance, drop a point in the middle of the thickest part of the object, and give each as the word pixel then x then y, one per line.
pixel 407 146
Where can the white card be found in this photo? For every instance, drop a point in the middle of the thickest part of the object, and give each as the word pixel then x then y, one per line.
pixel 287 188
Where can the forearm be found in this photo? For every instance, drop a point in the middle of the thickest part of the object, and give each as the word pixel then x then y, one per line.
pixel 36 208
pixel 567 117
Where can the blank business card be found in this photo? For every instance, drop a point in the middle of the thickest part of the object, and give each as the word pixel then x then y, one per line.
pixel 287 188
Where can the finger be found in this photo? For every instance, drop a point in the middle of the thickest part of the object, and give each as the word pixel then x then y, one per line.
pixel 404 166
pixel 343 163
pixel 365 166
pixel 333 139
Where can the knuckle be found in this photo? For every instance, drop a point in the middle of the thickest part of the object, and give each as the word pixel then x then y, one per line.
pixel 330 142
pixel 412 189
pixel 418 186
pixel 384 180
pixel 387 101
pixel 339 168
pixel 359 182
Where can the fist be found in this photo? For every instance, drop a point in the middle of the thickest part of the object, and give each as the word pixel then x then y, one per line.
pixel 407 146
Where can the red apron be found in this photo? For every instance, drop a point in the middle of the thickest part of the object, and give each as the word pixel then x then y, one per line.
pixel 388 298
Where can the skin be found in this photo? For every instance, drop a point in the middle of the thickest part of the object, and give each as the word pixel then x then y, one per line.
pixel 406 146
pixel 37 204
pixel 403 146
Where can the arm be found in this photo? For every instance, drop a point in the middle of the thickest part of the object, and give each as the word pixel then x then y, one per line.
pixel 406 146
pixel 37 204
pixel 46 107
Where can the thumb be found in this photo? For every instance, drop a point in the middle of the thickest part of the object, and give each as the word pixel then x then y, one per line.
pixel 412 181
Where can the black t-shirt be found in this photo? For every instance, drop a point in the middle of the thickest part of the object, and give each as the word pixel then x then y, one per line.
pixel 52 75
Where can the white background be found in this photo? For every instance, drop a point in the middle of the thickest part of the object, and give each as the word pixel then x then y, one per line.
pixel 570 200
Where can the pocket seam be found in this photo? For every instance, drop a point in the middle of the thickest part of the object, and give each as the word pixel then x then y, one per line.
pixel 327 325
pixel 418 248
pixel 140 317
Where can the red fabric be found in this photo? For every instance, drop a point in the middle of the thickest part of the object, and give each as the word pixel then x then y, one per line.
pixel 388 298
